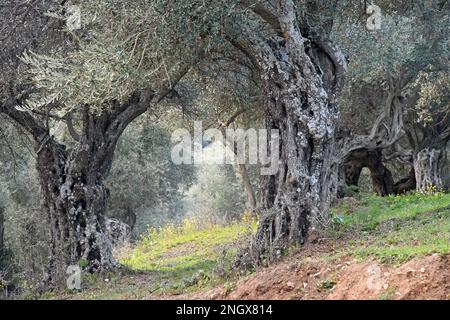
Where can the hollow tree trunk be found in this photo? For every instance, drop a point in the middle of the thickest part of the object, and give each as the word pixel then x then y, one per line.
pixel 406 184
pixel 300 84
pixel 352 171
pixel 429 167
pixel 349 174
pixel 75 199
pixel 382 181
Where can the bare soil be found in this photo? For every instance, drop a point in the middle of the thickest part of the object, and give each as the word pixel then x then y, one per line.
pixel 302 276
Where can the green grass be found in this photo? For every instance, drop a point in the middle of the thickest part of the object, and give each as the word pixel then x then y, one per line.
pixel 388 294
pixel 423 235
pixel 197 255
pixel 373 210
pixel 188 254
pixel 170 260
pixel 396 229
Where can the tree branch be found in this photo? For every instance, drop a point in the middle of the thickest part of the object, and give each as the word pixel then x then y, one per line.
pixel 264 13
pixel 232 118
pixel 23 118
pixel 246 49
pixel 380 138
pixel 70 127
pixel 337 58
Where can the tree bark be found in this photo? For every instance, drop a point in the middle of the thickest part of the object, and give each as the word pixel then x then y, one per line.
pixel 406 184
pixel 74 191
pixel 301 83
pixel 382 181
pixel 2 233
pixel 429 166
pixel 352 171
pixel 365 150
pixel 75 199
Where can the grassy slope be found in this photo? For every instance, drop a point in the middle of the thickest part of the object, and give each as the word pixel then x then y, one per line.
pixel 188 254
pixel 196 256
pixel 168 261
pixel 398 228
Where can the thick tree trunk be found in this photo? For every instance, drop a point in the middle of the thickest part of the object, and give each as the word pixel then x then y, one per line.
pixel 429 166
pixel 382 181
pixel 75 198
pixel 74 191
pixel 72 181
pixel 248 188
pixel 349 174
pixel 406 184
pixel 300 83
pixel 352 171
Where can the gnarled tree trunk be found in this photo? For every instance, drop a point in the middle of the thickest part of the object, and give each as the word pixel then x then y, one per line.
pixel 366 150
pixel 75 198
pixel 349 174
pixel 429 166
pixel 352 170
pixel 382 181
pixel 301 81
pixel 73 186
pixel 406 184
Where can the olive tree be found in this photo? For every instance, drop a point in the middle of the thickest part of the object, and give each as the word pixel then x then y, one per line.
pixel 96 90
pixel 384 65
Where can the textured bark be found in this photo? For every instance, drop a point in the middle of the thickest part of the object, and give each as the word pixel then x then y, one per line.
pixel 74 191
pixel 2 243
pixel 429 166
pixel 386 130
pixel 118 232
pixel 301 80
pixel 348 175
pixel 241 168
pixel 124 213
pixel 72 181
pixel 406 184
pixel 75 198
pixel 358 151
pixel 352 171
pixel 382 181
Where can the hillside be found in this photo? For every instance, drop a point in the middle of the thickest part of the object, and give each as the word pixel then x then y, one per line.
pixel 378 248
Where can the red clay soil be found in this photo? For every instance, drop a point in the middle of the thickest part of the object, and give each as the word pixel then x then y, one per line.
pixel 303 278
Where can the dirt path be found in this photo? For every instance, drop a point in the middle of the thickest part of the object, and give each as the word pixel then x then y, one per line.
pixel 312 273
pixel 306 276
